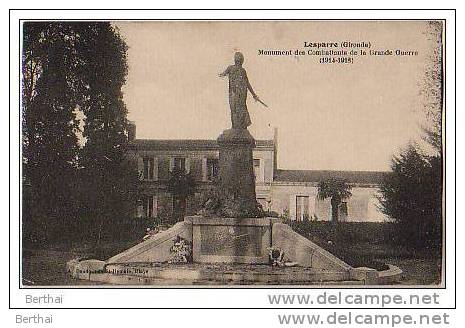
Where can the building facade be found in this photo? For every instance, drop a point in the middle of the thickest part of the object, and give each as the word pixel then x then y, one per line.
pixel 292 193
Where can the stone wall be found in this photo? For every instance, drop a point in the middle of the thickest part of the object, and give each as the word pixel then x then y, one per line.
pixel 156 248
pixel 306 253
pixel 361 207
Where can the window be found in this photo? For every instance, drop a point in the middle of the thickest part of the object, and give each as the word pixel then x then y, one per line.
pixel 149 164
pixel 149 206
pixel 180 164
pixel 212 168
pixel 301 209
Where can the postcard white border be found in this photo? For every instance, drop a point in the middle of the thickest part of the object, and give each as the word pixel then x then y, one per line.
pixel 211 297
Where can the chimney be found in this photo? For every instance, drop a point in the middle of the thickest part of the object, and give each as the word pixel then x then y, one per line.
pixel 275 150
pixel 131 131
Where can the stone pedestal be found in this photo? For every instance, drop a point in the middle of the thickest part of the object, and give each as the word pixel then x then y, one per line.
pixel 236 242
pixel 237 178
pixel 230 240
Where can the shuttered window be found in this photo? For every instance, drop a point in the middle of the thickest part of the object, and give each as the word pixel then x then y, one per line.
pixel 149 165
pixel 149 206
pixel 180 164
pixel 212 169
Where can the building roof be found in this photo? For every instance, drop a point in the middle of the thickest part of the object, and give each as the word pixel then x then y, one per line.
pixel 359 177
pixel 186 144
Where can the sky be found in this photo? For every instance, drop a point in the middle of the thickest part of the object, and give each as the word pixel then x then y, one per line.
pixel 329 116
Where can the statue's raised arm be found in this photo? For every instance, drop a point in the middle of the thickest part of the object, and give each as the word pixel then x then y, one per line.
pixel 226 72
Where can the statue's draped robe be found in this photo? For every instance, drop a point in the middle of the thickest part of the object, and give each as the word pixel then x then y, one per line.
pixel 238 85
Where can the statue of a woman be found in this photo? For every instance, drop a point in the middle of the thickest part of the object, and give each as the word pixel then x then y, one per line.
pixel 238 86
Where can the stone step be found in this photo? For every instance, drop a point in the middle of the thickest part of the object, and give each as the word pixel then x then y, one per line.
pixel 112 279
pixel 218 274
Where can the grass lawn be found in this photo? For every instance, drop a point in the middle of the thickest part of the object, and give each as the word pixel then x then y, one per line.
pixel 419 267
pixel 418 271
pixel 47 266
pixel 367 244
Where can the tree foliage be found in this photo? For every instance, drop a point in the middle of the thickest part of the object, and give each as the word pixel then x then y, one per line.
pixel 432 87
pixel 181 185
pixel 412 196
pixel 51 91
pixel 107 178
pixel 73 123
pixel 335 189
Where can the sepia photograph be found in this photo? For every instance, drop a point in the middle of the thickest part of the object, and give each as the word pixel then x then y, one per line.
pixel 232 153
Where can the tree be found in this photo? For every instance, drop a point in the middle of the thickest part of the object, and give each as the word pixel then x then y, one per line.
pixel 432 88
pixel 108 177
pixel 181 185
pixel 337 190
pixel 72 70
pixel 411 196
pixel 51 92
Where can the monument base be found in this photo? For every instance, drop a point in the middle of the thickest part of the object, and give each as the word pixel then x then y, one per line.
pixel 238 250
pixel 230 240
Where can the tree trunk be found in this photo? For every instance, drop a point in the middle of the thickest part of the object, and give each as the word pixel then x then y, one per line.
pixel 96 241
pixel 179 208
pixel 174 210
pixel 182 209
pixel 335 209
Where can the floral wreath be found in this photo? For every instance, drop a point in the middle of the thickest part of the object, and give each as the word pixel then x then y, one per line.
pixel 181 250
pixel 276 255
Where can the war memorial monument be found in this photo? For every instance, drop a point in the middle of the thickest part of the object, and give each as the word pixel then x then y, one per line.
pixel 230 242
